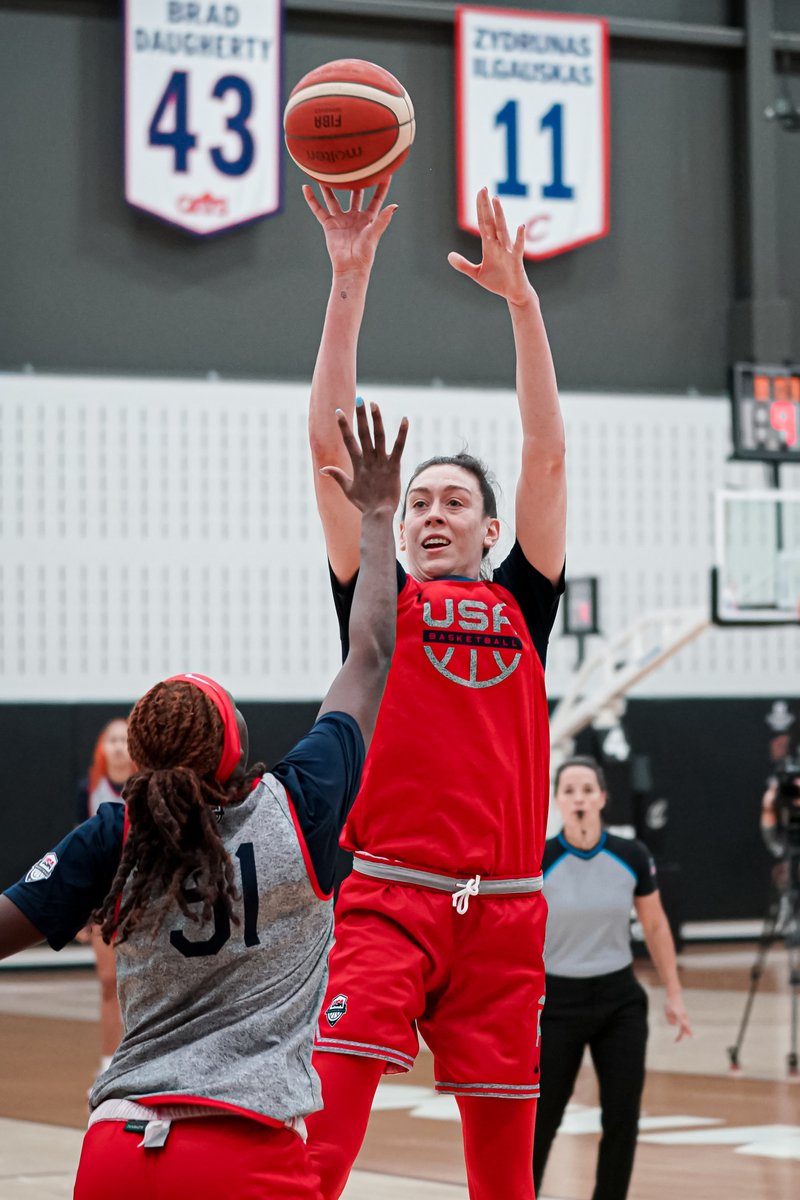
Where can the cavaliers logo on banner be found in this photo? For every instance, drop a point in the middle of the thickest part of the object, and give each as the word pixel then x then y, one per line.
pixel 202 111
pixel 533 126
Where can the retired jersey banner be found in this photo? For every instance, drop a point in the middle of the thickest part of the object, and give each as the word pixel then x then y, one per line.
pixel 203 111
pixel 533 123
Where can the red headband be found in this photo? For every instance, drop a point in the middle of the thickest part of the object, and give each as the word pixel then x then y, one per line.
pixel 231 745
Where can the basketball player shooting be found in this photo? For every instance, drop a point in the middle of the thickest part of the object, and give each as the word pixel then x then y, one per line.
pixel 440 927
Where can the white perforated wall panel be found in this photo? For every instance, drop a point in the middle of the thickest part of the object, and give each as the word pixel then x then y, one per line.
pixel 155 526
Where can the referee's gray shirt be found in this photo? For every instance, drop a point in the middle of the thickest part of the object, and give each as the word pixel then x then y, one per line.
pixel 589 897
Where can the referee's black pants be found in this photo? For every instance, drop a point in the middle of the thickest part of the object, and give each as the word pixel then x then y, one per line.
pixel 607 1013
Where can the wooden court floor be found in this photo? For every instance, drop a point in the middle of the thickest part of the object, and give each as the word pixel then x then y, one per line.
pixel 704 1133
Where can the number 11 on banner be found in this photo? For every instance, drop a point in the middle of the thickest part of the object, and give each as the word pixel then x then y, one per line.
pixel 532 111
pixel 556 189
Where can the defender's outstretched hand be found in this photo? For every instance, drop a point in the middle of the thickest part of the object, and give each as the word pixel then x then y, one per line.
pixel 352 234
pixel 500 269
pixel 375 482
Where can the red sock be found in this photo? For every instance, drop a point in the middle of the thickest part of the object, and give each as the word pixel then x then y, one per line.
pixel 335 1134
pixel 498 1147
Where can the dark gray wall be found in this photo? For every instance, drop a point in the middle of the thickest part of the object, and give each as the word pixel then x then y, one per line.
pixel 711 871
pixel 47 749
pixel 90 285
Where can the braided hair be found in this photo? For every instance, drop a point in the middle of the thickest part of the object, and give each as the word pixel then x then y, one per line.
pixel 175 733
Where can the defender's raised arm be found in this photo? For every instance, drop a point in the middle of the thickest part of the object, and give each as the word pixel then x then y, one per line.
pixel 371 489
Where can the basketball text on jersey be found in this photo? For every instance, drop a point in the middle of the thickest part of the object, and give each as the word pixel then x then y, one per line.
pixel 476 625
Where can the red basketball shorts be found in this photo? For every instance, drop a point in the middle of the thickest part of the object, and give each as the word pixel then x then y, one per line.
pixel 204 1158
pixel 473 984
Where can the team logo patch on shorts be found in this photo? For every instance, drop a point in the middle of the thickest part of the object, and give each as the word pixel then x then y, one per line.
pixel 336 1009
pixel 43 869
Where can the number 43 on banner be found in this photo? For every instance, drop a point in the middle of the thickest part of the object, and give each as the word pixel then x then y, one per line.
pixel 202 111
pixel 532 110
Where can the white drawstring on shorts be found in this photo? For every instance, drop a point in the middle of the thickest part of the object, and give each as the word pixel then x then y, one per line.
pixel 461 897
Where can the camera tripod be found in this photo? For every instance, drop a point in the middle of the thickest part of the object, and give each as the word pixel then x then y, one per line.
pixel 781 921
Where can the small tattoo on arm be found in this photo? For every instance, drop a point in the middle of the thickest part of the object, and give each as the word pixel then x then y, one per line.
pixel 343 295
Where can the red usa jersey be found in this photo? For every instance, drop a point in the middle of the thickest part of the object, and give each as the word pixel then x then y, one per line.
pixel 457 776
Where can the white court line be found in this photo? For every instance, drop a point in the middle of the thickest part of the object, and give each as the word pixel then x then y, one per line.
pixel 45 959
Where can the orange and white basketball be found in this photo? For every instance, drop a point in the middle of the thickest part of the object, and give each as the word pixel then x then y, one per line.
pixel 349 123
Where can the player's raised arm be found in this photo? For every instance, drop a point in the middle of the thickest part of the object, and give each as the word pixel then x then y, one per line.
pixel 372 487
pixel 541 501
pixel 351 238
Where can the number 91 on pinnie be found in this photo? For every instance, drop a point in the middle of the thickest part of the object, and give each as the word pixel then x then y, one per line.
pixel 203 111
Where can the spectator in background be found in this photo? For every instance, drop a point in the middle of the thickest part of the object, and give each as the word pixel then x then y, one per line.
pixel 592 880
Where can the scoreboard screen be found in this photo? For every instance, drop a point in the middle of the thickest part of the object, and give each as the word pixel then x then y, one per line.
pixel 766 413
pixel 580 606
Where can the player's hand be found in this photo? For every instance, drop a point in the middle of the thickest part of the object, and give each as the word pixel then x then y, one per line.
pixel 375 482
pixel 351 235
pixel 501 268
pixel 676 1014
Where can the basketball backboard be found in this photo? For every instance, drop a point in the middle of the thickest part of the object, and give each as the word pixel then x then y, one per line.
pixel 756 577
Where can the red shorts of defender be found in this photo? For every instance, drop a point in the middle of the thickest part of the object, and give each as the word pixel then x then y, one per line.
pixel 473 984
pixel 204 1158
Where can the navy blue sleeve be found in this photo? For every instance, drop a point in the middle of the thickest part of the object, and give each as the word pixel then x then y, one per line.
pixel 639 861
pixel 322 775
pixel 534 593
pixel 343 602
pixel 60 891
pixel 553 851
pixel 645 868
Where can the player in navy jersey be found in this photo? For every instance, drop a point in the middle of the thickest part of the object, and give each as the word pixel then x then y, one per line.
pixel 215 882
pixel 592 881
pixel 440 926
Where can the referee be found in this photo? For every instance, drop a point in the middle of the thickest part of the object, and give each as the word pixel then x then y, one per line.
pixel 592 880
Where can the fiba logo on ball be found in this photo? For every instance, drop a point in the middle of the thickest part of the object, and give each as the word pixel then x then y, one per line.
pixel 467 629
pixel 349 124
pixel 336 1009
